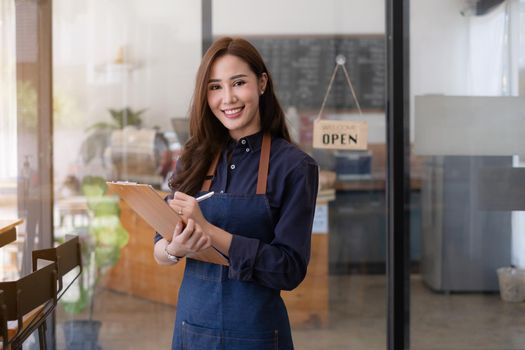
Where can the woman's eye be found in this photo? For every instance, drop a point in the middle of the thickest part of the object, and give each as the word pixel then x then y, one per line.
pixel 239 83
pixel 214 87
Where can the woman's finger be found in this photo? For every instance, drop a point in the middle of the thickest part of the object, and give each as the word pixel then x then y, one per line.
pixel 208 242
pixel 186 201
pixel 202 243
pixel 190 209
pixel 192 241
pixel 177 206
pixel 178 230
pixel 181 196
pixel 186 234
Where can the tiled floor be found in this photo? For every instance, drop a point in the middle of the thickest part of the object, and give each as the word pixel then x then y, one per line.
pixel 357 320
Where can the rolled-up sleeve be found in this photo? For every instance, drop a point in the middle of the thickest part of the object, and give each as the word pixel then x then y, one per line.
pixel 282 263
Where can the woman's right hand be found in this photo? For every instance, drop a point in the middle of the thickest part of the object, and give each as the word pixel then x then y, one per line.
pixel 188 239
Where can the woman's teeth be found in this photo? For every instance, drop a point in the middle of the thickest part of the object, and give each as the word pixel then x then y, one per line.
pixel 232 111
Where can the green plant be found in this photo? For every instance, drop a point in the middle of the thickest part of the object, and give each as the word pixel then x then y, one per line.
pixel 27 100
pixel 120 119
pixel 99 133
pixel 101 244
pixel 27 103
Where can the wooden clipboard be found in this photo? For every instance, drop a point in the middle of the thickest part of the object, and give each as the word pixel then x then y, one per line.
pixel 147 203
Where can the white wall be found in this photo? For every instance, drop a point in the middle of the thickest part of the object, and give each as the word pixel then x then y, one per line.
pixel 241 17
pixel 438 47
pixel 438 50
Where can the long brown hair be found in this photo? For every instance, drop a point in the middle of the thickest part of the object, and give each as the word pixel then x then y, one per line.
pixel 207 134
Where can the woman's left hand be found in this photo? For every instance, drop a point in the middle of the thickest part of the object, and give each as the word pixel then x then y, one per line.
pixel 187 208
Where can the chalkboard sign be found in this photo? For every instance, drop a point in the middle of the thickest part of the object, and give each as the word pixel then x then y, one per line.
pixel 301 68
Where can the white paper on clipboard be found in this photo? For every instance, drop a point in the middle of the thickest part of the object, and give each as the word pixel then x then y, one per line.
pixel 147 203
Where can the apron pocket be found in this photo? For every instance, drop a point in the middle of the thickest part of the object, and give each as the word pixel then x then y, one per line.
pixel 200 338
pixel 246 340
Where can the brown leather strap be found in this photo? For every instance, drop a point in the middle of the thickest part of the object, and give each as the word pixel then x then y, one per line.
pixel 211 173
pixel 264 163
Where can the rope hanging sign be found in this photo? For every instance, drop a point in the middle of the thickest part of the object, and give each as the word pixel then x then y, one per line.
pixel 340 134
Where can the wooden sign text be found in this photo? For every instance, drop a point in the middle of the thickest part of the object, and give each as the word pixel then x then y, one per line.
pixel 340 134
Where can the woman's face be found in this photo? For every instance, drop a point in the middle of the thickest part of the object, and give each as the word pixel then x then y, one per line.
pixel 233 95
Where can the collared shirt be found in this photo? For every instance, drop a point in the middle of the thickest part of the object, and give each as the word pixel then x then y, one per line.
pixel 291 191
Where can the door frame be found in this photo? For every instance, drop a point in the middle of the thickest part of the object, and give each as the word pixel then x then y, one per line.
pixel 398 174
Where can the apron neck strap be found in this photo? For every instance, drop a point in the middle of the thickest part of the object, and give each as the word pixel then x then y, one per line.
pixel 262 176
pixel 211 172
pixel 264 163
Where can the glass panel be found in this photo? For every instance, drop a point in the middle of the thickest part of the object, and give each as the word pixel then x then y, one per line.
pixel 9 254
pixel 467 90
pixel 123 74
pixel 25 120
pixel 341 303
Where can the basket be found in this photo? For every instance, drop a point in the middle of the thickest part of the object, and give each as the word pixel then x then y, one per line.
pixel 511 284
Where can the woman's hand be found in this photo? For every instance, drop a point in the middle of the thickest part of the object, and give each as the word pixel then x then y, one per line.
pixel 189 239
pixel 187 208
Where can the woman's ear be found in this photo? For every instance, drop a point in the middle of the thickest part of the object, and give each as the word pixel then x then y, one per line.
pixel 263 80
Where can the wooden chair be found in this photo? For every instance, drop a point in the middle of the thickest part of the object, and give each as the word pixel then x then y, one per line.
pixel 67 256
pixel 3 320
pixel 31 299
pixel 25 303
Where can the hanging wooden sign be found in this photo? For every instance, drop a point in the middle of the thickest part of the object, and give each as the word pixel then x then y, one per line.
pixel 340 134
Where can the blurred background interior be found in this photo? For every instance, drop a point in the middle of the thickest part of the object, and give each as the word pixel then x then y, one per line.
pixel 94 91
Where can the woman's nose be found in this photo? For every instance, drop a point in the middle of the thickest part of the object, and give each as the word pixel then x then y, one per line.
pixel 229 96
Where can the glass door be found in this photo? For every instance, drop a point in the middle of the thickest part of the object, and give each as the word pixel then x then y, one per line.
pixel 341 303
pixel 467 119
pixel 107 99
pixel 123 74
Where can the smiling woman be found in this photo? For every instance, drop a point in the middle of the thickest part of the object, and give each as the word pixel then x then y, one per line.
pixel 260 217
pixel 232 75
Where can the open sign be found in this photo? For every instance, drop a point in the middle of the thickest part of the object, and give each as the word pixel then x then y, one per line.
pixel 340 134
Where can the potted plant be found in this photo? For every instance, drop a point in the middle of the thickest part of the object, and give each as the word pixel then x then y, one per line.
pixel 123 149
pixel 98 139
pixel 101 244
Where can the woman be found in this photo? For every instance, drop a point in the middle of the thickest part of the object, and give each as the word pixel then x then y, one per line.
pixel 260 216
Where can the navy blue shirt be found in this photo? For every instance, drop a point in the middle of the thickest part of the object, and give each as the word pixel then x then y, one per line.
pixel 291 191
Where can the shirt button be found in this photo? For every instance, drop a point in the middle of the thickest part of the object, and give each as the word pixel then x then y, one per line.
pixel 222 191
pixel 243 141
pixel 247 150
pixel 232 166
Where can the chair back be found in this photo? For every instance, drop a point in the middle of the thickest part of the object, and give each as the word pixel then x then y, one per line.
pixel 26 294
pixel 67 256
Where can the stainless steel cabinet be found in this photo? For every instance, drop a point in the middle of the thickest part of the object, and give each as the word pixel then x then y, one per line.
pixel 462 245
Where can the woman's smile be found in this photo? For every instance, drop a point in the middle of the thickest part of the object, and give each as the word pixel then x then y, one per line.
pixel 233 113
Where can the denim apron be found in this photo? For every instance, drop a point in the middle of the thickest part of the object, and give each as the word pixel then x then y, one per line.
pixel 214 312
